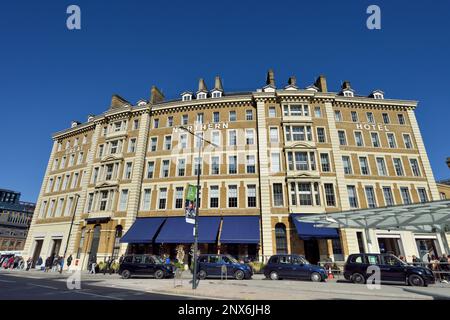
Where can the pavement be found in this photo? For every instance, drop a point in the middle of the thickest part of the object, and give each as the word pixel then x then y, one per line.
pixel 23 285
pixel 40 285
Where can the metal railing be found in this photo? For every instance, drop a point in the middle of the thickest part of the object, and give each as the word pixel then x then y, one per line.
pixel 441 270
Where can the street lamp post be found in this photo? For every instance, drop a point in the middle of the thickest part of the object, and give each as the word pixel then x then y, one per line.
pixel 71 224
pixel 194 255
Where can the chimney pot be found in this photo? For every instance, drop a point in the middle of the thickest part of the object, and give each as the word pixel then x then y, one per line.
pixel 270 80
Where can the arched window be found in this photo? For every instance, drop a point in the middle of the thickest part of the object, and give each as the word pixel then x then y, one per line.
pixel 81 243
pixel 280 237
pixel 117 237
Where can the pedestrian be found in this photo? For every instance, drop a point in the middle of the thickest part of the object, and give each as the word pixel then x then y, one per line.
pixel 48 264
pixel 10 263
pixel 61 264
pixel 416 261
pixel 427 259
pixel 434 263
pixel 107 265
pixel 93 265
pixel 167 259
pixel 69 261
pixel 55 264
pixel 39 263
pixel 29 263
pixel 328 263
pixel 444 268
pixel 110 266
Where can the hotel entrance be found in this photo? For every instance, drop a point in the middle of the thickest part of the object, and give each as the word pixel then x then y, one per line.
pixel 312 253
pixel 391 245
pixel 37 251
pixel 425 246
pixel 56 246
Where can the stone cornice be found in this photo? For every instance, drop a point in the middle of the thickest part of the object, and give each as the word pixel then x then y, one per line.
pixel 280 96
pixel 374 103
pixel 229 100
pixel 115 114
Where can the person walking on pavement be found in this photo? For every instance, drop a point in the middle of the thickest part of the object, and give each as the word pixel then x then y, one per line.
pixel 444 268
pixel 29 263
pixel 61 264
pixel 39 263
pixel 93 265
pixel 48 264
pixel 107 265
pixel 416 261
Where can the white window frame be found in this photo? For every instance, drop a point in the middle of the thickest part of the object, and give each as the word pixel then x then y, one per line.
pixel 384 165
pixel 395 140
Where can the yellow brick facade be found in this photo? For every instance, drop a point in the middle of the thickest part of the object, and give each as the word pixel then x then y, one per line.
pixel 127 150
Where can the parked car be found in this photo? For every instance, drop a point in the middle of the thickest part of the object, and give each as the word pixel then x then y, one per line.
pixel 293 266
pixel 218 265
pixel 392 269
pixel 145 265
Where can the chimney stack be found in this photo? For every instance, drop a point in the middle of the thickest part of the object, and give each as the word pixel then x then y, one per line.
pixel 270 80
pixel 202 85
pixel 346 85
pixel 156 96
pixel 292 81
pixel 117 101
pixel 218 84
pixel 321 83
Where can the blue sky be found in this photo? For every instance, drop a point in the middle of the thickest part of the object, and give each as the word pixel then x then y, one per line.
pixel 50 75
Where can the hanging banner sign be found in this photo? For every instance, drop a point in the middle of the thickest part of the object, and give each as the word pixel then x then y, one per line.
pixel 190 206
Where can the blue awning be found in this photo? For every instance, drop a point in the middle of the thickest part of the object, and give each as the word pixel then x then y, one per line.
pixel 307 230
pixel 240 229
pixel 177 230
pixel 143 230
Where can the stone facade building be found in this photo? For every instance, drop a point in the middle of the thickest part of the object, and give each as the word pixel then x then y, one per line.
pixel 15 219
pixel 118 181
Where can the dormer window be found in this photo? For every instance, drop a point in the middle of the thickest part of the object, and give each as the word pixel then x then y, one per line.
pixel 348 94
pixel 378 96
pixel 216 94
pixel 201 95
pixel 187 97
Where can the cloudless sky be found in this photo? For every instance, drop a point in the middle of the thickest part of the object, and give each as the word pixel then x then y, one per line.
pixel 50 75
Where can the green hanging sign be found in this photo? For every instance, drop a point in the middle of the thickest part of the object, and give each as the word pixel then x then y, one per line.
pixel 190 206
